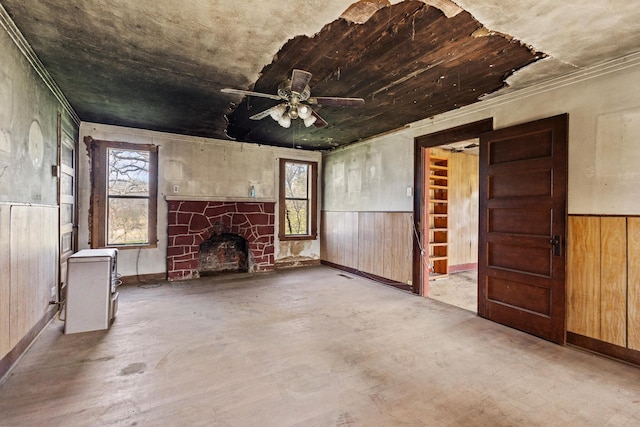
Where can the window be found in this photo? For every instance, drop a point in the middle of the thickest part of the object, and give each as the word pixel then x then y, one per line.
pixel 298 208
pixel 124 194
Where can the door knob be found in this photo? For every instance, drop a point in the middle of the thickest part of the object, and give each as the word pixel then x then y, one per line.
pixel 556 245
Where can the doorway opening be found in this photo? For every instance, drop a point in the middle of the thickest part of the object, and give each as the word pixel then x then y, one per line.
pixel 522 222
pixel 451 208
pixel 446 215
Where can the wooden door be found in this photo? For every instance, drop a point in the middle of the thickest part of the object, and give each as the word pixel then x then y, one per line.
pixel 67 201
pixel 521 265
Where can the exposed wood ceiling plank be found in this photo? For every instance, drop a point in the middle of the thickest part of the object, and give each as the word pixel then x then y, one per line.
pixel 408 61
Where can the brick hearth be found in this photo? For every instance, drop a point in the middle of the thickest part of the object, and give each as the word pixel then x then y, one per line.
pixel 192 222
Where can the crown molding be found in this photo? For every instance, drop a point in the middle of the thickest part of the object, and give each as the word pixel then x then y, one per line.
pixel 25 48
pixel 106 132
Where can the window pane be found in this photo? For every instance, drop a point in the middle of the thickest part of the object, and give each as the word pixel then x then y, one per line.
pixel 296 217
pixel 67 242
pixel 66 214
pixel 66 184
pixel 296 183
pixel 128 172
pixel 66 155
pixel 128 221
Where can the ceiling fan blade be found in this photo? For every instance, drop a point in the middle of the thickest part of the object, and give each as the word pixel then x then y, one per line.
pixel 250 93
pixel 331 101
pixel 320 122
pixel 299 80
pixel 263 114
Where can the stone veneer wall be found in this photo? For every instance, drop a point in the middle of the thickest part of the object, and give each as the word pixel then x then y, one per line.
pixel 192 222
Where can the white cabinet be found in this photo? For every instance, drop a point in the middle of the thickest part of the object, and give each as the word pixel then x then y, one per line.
pixel 92 299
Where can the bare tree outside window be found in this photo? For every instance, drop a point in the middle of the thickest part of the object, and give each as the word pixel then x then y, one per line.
pixel 128 195
pixel 297 198
pixel 124 194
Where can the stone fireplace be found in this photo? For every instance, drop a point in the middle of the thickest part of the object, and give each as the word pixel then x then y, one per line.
pixel 195 224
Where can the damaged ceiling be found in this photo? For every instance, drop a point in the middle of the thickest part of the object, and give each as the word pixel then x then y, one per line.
pixel 153 65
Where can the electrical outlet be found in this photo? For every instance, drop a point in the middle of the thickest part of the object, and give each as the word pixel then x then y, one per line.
pixel 176 188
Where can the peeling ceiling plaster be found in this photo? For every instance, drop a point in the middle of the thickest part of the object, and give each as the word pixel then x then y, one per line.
pixel 574 34
pixel 407 61
pixel 150 64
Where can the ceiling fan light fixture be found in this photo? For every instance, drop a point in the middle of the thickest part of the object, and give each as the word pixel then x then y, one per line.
pixel 285 121
pixel 277 113
pixel 304 112
pixel 308 121
pixel 291 94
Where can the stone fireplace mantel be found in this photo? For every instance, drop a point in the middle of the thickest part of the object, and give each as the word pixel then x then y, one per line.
pixel 190 198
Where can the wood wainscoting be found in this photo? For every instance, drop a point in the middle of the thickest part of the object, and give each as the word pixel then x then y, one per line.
pixel 375 243
pixel 603 284
pixel 28 273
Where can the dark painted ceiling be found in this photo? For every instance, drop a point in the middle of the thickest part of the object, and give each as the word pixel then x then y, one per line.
pixel 153 65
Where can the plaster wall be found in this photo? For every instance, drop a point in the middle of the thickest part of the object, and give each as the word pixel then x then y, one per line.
pixel 370 176
pixel 604 150
pixel 28 198
pixel 28 123
pixel 193 168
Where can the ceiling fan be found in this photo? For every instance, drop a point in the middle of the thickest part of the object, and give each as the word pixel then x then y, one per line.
pixel 296 94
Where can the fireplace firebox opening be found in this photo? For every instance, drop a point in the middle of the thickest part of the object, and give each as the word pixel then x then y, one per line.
pixel 223 253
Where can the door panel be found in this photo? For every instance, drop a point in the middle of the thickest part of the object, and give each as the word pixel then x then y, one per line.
pixel 521 267
pixel 67 202
pixel 531 184
pixel 523 221
pixel 529 297
pixel 519 258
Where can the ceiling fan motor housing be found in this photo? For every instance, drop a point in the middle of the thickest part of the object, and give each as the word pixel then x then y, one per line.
pixel 285 92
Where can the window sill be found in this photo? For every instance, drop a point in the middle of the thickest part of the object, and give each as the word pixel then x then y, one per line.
pixel 126 247
pixel 309 237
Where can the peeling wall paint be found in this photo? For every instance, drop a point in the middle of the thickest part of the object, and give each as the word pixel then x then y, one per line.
pixel 297 252
pixel 193 168
pixel 28 126
pixel 29 237
pixel 603 106
pixel 370 176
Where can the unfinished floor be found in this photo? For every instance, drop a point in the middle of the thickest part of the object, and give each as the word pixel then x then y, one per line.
pixel 308 347
pixel 458 289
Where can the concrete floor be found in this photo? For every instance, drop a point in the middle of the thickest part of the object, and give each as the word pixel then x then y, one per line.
pixel 308 347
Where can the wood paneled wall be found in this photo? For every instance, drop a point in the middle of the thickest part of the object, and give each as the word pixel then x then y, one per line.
pixel 464 178
pixel 603 279
pixel 378 243
pixel 5 280
pixel 28 269
pixel 633 283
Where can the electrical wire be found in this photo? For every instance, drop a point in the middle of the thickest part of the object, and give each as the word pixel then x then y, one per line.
pixel 424 259
pixel 137 263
